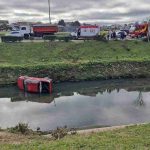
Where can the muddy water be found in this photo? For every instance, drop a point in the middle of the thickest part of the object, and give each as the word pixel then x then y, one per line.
pixel 79 105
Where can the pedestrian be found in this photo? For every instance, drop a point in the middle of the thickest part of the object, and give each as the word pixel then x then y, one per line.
pixel 109 35
pixel 121 35
pixel 79 32
pixel 114 35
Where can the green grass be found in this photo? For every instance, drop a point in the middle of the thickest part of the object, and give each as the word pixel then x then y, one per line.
pixel 74 61
pixel 43 53
pixel 3 33
pixel 130 138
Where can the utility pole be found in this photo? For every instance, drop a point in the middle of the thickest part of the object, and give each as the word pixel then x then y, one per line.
pixel 49 11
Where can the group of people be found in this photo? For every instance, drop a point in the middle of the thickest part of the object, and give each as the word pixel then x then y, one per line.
pixel 113 35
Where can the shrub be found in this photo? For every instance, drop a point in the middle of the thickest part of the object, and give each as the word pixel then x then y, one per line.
pixel 73 131
pixel 1 129
pixel 49 37
pixel 101 38
pixel 64 38
pixel 57 37
pixel 11 39
pixel 146 39
pixel 20 128
pixel 59 133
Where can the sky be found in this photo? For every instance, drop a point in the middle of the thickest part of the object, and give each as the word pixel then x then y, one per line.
pixel 86 11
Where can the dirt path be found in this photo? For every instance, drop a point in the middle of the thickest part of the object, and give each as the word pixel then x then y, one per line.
pixel 96 130
pixel 10 138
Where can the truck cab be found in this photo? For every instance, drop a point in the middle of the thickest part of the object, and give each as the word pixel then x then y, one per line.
pixel 22 31
pixel 26 31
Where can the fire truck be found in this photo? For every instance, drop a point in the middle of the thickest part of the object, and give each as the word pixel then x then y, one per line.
pixel 139 30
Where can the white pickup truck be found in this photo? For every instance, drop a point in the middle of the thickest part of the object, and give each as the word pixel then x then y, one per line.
pixel 21 31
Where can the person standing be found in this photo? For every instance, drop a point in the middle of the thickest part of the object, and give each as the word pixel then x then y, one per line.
pixel 109 35
pixel 114 35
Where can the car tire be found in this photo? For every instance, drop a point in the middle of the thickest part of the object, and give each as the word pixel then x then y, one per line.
pixel 26 36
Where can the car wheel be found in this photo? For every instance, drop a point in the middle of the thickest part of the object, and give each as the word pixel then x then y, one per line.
pixel 26 36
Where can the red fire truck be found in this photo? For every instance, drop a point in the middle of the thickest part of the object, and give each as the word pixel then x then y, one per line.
pixel 139 31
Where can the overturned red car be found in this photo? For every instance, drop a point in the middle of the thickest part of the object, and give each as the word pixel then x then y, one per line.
pixel 35 85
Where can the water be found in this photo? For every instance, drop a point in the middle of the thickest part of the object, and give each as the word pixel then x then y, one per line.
pixel 79 105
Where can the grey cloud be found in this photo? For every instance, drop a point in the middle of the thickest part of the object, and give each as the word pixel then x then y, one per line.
pixel 112 16
pixel 80 9
pixel 27 14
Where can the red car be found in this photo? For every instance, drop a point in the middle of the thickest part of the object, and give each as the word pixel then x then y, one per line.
pixel 35 85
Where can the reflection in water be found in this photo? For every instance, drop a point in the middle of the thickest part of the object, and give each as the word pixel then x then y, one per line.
pixel 140 101
pixel 85 104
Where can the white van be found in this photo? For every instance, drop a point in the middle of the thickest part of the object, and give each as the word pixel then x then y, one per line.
pixel 86 32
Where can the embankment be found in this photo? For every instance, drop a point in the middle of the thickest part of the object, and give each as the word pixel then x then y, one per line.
pixel 61 72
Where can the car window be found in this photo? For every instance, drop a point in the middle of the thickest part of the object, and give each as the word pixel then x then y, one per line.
pixel 23 28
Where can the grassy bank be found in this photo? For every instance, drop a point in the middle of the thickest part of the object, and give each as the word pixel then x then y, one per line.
pixel 2 33
pixel 74 61
pixel 45 53
pixel 129 138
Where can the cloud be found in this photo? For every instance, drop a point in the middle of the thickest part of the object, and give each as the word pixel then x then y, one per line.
pixel 101 11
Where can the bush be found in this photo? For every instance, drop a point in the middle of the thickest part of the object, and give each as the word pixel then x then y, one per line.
pixel 64 38
pixel 1 129
pixel 100 38
pixel 59 133
pixel 67 38
pixel 60 38
pixel 146 39
pixel 49 37
pixel 20 128
pixel 11 39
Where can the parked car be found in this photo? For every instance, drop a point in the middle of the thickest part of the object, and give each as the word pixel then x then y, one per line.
pixel 119 33
pixel 74 35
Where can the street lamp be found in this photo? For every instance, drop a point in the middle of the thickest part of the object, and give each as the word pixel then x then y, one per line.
pixel 49 11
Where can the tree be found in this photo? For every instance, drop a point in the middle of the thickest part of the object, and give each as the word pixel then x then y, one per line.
pixel 4 27
pixel 62 22
pixel 139 101
pixel 76 23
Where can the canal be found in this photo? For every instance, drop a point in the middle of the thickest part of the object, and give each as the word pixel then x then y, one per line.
pixel 78 105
